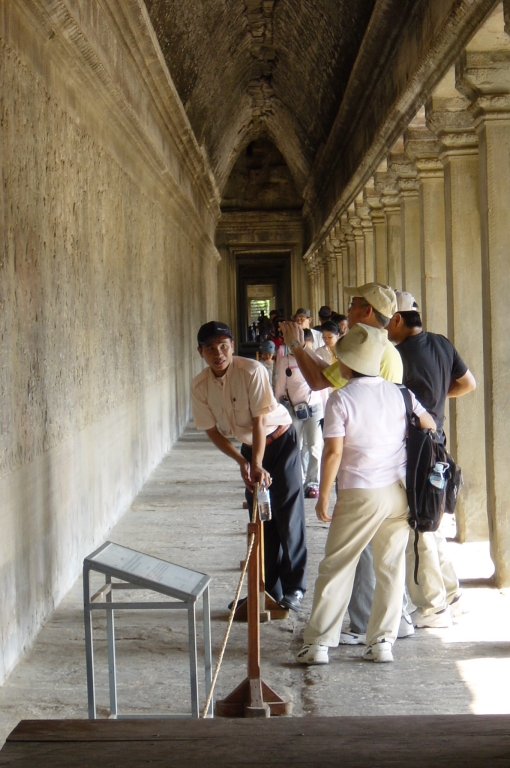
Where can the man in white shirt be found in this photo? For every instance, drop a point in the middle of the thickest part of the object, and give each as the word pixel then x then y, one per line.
pixel 232 398
pixel 364 433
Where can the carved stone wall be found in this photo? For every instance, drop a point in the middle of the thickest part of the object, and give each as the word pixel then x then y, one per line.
pixel 107 268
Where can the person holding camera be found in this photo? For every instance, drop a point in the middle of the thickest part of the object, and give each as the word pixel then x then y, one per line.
pixel 232 399
pixel 306 409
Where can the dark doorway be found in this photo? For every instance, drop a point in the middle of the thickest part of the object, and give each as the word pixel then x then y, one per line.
pixel 256 275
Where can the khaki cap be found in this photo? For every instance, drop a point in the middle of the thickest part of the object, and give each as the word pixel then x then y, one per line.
pixel 380 297
pixel 361 349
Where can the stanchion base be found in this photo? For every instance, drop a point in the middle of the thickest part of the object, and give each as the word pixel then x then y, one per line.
pixel 253 698
pixel 269 609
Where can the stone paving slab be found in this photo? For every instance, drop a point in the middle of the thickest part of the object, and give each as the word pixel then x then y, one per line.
pixel 190 512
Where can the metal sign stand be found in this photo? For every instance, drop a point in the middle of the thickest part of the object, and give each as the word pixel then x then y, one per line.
pixel 135 570
pixel 253 698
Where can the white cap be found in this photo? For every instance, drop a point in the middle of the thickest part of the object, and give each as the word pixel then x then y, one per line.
pixel 406 302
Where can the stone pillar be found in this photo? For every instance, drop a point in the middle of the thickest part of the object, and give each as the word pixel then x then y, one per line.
pixel 408 197
pixel 321 288
pixel 332 293
pixel 363 213
pixel 485 79
pixel 450 120
pixel 343 298
pixel 336 241
pixel 386 186
pixel 411 237
pixel 351 249
pixel 379 228
pixel 423 148
pixel 310 268
pixel 359 246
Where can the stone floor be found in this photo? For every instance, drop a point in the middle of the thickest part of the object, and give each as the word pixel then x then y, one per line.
pixel 190 513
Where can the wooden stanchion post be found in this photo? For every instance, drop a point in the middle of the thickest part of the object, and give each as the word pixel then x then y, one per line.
pixel 268 607
pixel 253 697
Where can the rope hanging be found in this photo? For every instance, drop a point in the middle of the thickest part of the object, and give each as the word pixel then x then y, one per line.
pixel 251 541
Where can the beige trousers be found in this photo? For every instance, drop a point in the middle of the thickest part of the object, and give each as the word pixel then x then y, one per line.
pixel 360 516
pixel 437 581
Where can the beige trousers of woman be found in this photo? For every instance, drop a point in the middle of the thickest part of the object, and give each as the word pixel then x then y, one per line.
pixel 362 516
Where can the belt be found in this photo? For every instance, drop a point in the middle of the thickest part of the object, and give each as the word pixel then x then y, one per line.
pixel 279 431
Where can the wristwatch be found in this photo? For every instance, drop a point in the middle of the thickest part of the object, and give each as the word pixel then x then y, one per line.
pixel 294 342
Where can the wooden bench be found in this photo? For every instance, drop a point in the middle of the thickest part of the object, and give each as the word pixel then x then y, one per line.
pixel 442 741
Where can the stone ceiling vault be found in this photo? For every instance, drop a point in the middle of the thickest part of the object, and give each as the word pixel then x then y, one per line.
pixel 324 80
pixel 249 68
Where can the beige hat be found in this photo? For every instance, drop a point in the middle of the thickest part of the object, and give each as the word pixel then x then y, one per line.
pixel 361 349
pixel 406 302
pixel 380 297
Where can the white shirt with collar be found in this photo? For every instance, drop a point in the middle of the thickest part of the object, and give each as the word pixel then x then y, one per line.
pixel 232 401
pixel 370 414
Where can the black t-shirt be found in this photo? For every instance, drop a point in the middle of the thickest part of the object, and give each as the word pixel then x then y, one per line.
pixel 430 362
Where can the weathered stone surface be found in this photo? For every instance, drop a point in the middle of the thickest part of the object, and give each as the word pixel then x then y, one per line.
pixel 195 519
pixel 246 69
pixel 260 181
pixel 106 227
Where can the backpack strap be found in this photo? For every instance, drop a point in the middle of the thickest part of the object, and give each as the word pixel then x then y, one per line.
pixel 407 400
pixel 416 555
pixel 409 414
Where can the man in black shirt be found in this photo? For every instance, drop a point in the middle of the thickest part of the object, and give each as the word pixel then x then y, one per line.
pixel 433 371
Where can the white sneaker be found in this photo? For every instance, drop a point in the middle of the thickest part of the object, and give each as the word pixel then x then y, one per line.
pixel 440 620
pixel 379 652
pixel 352 638
pixel 406 628
pixel 457 607
pixel 313 653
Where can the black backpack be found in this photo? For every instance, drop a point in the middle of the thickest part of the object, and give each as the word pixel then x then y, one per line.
pixel 427 503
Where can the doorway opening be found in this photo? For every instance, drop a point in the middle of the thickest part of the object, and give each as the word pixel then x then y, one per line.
pixel 263 284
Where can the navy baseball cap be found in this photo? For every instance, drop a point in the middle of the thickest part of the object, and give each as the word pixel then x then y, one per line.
pixel 212 329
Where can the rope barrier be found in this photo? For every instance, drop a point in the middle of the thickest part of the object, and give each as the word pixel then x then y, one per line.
pixel 251 541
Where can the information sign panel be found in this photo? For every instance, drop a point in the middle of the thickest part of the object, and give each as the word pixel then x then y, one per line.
pixel 148 571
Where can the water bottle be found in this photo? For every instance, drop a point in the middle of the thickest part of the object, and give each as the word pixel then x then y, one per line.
pixel 264 503
pixel 437 477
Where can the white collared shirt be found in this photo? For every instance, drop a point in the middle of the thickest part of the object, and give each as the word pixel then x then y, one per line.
pixel 232 401
pixel 369 413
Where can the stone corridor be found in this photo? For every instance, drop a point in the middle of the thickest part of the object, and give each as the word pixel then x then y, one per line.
pixel 195 519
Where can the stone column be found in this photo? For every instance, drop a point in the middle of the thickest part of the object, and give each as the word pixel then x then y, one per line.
pixel 411 237
pixel 343 299
pixel 450 120
pixel 310 268
pixel 423 148
pixel 332 293
pixel 336 241
pixel 485 80
pixel 363 213
pixel 386 186
pixel 359 246
pixel 351 249
pixel 378 218
pixel 408 196
pixel 321 287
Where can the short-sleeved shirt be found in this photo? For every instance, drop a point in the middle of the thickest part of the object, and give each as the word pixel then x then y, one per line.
pixel 232 401
pixel 391 367
pixel 431 362
pixel 294 387
pixel 369 413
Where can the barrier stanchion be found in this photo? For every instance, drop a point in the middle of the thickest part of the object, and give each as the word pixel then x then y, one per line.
pixel 268 607
pixel 253 697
